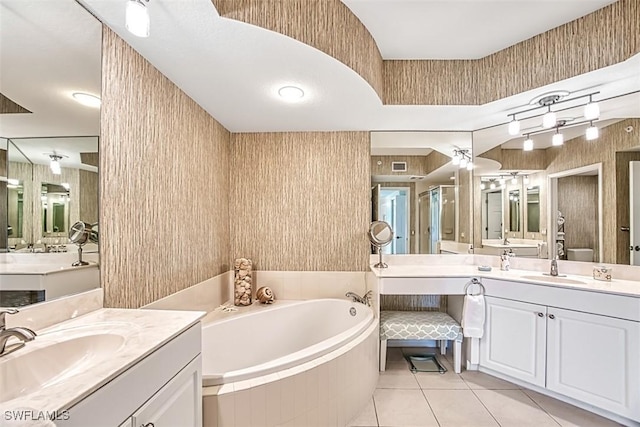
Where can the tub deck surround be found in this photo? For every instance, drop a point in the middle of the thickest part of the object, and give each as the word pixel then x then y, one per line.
pixel 135 333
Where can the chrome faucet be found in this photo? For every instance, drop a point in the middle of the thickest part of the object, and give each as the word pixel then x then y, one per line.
pixel 22 333
pixel 365 299
pixel 554 268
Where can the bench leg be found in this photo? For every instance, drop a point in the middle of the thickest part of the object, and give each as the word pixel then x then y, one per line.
pixel 383 355
pixel 443 347
pixel 457 356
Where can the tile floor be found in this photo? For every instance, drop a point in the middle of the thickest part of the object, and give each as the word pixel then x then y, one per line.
pixel 404 399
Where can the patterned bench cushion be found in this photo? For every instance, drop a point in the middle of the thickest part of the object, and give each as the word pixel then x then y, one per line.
pixel 418 325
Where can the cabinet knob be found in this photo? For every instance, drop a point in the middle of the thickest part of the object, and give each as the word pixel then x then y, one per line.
pixel 551 316
pixel 540 314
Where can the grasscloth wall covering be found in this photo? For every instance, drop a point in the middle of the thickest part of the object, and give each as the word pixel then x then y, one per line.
pixel 164 220
pixel 300 201
pixel 602 38
pixel 327 25
pixel 88 196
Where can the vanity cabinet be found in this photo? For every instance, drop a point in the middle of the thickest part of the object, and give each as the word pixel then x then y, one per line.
pixel 588 357
pixel 514 342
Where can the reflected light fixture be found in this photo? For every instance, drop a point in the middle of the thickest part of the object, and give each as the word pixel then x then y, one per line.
pixel 514 126
pixel 482 186
pixel 469 165
pixel 291 93
pixel 456 159
pixel 87 99
pixel 557 139
pixel 525 179
pixel 462 158
pixel 514 180
pixel 463 162
pixel 592 132
pixel 549 119
pixel 591 110
pixel 492 186
pixel 137 18
pixel 502 180
pixel 55 164
pixel 527 145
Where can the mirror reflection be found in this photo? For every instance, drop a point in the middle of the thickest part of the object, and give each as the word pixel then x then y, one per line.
pixel 49 144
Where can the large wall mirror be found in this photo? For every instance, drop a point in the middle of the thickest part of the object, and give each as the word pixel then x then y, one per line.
pixel 563 189
pixel 49 129
pixel 419 190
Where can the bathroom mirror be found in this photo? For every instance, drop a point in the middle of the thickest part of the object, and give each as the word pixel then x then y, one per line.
pixel 380 233
pixel 44 63
pixel 415 187
pixel 514 211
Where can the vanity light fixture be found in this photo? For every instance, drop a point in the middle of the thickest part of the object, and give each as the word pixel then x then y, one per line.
pixel 527 145
pixel 591 110
pixel 549 119
pixel 557 139
pixel 462 158
pixel 87 99
pixel 55 164
pixel 291 93
pixel 592 132
pixel 137 18
pixel 514 126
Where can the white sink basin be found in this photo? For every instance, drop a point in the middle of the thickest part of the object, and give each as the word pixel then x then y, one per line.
pixel 554 279
pixel 41 364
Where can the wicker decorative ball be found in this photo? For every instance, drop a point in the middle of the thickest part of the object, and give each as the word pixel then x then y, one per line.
pixel 265 295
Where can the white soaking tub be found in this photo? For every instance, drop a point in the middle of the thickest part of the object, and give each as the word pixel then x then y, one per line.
pixel 292 360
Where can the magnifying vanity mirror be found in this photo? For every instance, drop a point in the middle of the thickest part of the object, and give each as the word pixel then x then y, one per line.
pixel 380 235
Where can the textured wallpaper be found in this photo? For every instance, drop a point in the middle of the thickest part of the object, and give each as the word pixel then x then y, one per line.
pixel 300 201
pixel 164 183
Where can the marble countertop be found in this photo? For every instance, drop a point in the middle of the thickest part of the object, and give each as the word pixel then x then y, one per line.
pixel 615 286
pixel 40 269
pixel 141 332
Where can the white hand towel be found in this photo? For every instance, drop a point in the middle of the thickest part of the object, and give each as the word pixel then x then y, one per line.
pixel 473 316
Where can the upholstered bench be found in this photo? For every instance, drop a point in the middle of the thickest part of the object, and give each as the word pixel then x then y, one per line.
pixel 420 325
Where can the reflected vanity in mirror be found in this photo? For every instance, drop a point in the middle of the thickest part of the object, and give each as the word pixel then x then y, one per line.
pixel 49 148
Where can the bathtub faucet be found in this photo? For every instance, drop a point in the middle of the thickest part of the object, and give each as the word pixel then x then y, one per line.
pixel 366 299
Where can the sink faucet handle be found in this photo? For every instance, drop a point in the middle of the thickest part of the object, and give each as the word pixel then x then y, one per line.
pixel 3 312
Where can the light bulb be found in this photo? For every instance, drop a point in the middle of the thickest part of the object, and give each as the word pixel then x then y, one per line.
pixel 514 180
pixel 528 144
pixel 137 18
pixel 549 120
pixel 514 127
pixel 492 186
pixel 591 111
pixel 463 162
pixel 455 160
pixel 525 179
pixel 502 180
pixel 470 165
pixel 291 93
pixel 55 167
pixel 592 133
pixel 557 139
pixel 482 186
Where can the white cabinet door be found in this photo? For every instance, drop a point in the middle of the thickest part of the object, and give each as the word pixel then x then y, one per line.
pixel 178 403
pixel 595 359
pixel 514 341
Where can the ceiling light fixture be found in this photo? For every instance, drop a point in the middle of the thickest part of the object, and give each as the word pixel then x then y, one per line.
pixel 462 158
pixel 592 132
pixel 55 164
pixel 87 99
pixel 557 139
pixel 514 126
pixel 527 145
pixel 549 119
pixel 137 18
pixel 291 93
pixel 591 110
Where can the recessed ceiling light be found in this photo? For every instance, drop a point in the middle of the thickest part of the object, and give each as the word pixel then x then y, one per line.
pixel 291 93
pixel 87 99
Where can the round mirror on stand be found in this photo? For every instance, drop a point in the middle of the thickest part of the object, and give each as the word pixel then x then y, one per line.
pixel 380 235
pixel 80 233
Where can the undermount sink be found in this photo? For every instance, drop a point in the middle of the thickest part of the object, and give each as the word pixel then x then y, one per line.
pixel 554 279
pixel 31 369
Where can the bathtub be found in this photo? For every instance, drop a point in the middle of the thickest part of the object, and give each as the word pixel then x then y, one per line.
pixel 294 361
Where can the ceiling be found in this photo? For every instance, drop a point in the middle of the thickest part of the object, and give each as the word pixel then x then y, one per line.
pixel 461 29
pixel 37 150
pixel 233 70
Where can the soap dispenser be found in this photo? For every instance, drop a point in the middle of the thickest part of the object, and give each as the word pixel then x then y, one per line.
pixel 504 261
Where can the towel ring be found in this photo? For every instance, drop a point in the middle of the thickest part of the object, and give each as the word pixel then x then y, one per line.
pixel 473 281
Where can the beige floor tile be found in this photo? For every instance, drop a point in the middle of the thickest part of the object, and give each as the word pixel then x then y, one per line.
pixel 397 365
pixel 481 381
pixel 458 408
pixel 403 408
pixel 435 380
pixel 513 408
pixel 394 354
pixel 568 415
pixel 366 418
pixel 397 379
